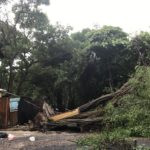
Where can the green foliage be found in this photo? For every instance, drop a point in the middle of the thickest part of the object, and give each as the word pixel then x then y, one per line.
pixel 105 139
pixel 28 16
pixel 140 45
pixel 142 147
pixel 133 112
pixel 130 118
pixel 108 61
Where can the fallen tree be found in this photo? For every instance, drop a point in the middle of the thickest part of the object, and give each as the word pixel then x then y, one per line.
pixel 89 114
pixel 120 109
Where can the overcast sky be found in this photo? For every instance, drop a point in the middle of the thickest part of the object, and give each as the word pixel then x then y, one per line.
pixel 131 15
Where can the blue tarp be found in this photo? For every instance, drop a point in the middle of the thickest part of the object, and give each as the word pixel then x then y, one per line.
pixel 14 104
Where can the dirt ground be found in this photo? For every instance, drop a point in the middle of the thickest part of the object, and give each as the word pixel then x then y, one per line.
pixel 43 141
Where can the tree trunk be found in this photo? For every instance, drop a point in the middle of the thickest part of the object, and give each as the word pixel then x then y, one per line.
pixel 110 76
pixel 10 81
pixel 59 100
pixel 22 80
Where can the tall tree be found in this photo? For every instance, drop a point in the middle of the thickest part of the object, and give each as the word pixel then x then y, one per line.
pixel 18 38
pixel 108 62
pixel 140 45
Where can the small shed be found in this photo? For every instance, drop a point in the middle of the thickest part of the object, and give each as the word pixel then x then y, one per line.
pixel 8 110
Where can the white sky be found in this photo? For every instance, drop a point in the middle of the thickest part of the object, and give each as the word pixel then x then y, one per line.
pixel 131 15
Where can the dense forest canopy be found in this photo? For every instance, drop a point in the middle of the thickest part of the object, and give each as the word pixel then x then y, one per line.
pixel 45 61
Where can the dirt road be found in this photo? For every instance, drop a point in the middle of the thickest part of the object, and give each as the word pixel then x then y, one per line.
pixel 49 141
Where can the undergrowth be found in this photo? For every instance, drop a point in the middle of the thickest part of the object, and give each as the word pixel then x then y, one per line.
pixel 131 118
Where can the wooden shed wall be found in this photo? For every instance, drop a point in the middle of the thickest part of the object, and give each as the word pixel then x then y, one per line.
pixel 4 112
pixel 13 118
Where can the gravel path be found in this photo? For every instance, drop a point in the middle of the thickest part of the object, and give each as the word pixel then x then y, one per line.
pixel 49 141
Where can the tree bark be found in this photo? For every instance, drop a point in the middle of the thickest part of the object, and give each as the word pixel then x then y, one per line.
pixel 10 81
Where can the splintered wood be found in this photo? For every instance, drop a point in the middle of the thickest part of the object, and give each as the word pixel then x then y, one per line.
pixel 48 110
pixel 65 115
